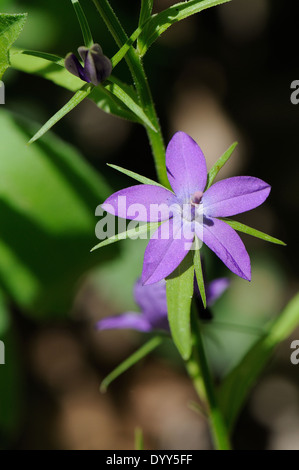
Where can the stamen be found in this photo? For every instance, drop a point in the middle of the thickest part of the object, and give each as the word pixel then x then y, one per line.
pixel 196 198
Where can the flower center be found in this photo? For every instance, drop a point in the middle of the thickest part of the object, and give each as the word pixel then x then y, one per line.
pixel 196 198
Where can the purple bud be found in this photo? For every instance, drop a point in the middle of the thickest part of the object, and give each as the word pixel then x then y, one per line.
pixel 97 67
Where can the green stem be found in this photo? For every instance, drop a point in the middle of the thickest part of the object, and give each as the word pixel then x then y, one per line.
pixel 135 65
pixel 198 369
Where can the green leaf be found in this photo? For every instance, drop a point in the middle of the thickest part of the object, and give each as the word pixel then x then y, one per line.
pixel 119 91
pixel 162 21
pixel 219 164
pixel 86 33
pixel 124 49
pixel 109 103
pixel 199 276
pixel 135 176
pixel 252 231
pixel 145 349
pixel 68 107
pixel 47 218
pixel 129 89
pixel 131 233
pixel 145 11
pixel 10 29
pixel 44 55
pixel 52 68
pixel 237 385
pixel 111 21
pixel 179 290
pixel 46 66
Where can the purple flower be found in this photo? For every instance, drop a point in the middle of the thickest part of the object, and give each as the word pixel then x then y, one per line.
pixel 189 211
pixel 97 67
pixel 152 302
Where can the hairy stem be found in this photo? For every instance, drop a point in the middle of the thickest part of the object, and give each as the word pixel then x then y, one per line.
pixel 198 369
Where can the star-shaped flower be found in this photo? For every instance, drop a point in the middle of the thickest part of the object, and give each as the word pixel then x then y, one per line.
pixel 97 67
pixel 153 304
pixel 189 211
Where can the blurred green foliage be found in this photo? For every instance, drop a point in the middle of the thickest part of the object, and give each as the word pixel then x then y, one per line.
pixel 47 198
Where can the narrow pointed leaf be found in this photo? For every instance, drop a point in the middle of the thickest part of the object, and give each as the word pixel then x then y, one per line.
pixel 252 231
pixel 124 49
pixel 74 101
pixel 129 89
pixel 109 103
pixel 86 33
pixel 120 93
pixel 44 55
pixel 111 21
pixel 237 385
pixel 146 349
pixel 162 21
pixel 135 176
pixel 145 11
pixel 131 233
pixel 179 290
pixel 199 277
pixel 10 29
pixel 219 164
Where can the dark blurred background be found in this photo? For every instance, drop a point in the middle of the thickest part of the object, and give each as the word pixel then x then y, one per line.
pixel 221 76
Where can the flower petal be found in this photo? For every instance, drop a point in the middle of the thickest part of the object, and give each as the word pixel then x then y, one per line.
pixel 234 195
pixel 73 65
pixel 227 245
pixel 130 320
pixel 152 301
pixel 186 165
pixel 103 67
pixel 166 249
pixel 142 202
pixel 215 289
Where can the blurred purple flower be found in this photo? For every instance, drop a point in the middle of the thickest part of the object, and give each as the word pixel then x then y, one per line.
pixel 97 67
pixel 153 304
pixel 189 211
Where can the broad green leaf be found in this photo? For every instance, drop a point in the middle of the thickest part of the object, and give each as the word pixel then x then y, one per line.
pixel 145 11
pixel 162 21
pixel 68 107
pixel 10 29
pixel 237 385
pixel 219 164
pixel 86 33
pixel 135 176
pixel 119 91
pixel 179 290
pixel 52 68
pixel 131 233
pixel 252 231
pixel 199 276
pixel 145 349
pixel 47 218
